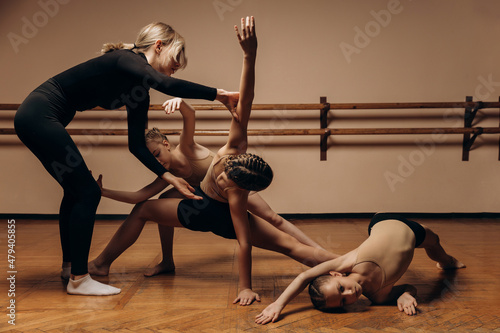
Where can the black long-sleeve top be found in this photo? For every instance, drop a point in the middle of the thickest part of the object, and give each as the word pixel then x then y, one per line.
pixel 123 78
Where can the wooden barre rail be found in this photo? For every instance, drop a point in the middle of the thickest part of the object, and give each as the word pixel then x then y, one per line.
pixel 285 132
pixel 469 133
pixel 319 106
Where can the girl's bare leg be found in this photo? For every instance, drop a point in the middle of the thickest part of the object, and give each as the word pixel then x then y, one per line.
pixel 167 242
pixel 161 210
pixel 436 252
pixel 268 237
pixel 260 208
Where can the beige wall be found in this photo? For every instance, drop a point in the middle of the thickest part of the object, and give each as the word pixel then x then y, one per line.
pixel 423 51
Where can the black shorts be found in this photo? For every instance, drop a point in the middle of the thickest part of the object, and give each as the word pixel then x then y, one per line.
pixel 206 215
pixel 417 229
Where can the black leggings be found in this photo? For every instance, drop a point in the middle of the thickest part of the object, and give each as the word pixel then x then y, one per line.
pixel 40 124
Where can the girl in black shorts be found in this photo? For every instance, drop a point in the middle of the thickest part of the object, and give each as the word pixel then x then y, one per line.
pixel 223 209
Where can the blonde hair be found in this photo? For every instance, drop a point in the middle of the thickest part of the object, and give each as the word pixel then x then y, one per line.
pixel 154 135
pixel 148 36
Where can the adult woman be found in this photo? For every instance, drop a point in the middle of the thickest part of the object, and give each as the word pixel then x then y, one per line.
pixel 232 175
pixel 122 76
pixel 191 161
pixel 372 269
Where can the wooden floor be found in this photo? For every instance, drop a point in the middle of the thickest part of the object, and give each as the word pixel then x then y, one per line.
pixel 198 298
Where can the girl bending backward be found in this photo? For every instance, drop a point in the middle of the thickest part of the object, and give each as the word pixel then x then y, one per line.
pixel 371 270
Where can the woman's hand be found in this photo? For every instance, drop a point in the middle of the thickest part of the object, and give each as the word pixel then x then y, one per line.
pixel 104 192
pixel 181 185
pixel 408 304
pixel 99 182
pixel 172 104
pixel 246 297
pixel 270 314
pixel 230 100
pixel 247 38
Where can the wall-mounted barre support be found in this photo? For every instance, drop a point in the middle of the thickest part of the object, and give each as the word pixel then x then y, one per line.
pixel 467 144
pixel 467 124
pixel 323 120
pixel 469 116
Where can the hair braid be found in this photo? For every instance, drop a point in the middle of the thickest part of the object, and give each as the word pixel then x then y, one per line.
pixel 248 171
pixel 317 297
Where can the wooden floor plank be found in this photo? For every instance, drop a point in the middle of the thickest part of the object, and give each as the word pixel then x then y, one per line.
pixel 198 297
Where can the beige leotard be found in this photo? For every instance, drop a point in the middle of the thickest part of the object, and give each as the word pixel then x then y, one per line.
pixel 390 246
pixel 199 169
pixel 209 185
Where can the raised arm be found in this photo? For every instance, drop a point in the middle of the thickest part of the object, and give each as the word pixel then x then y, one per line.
pixel 237 144
pixel 186 139
pixel 237 139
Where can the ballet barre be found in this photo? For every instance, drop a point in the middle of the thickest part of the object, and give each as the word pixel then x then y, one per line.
pixel 469 132
pixel 285 132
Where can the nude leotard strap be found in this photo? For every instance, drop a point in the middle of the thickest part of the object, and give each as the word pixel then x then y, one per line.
pixel 199 169
pixel 209 184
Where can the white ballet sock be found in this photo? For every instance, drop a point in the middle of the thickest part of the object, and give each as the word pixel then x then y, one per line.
pixel 87 286
pixel 66 272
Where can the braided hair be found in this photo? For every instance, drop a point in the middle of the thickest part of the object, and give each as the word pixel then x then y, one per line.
pixel 318 297
pixel 248 171
pixel 315 291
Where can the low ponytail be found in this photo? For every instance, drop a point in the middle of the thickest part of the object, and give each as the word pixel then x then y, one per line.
pixel 109 47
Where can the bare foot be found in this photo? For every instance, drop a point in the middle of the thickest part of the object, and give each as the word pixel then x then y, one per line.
pixel 161 268
pixel 98 270
pixel 452 263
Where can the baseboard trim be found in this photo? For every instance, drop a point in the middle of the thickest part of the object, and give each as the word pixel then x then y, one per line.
pixel 404 214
